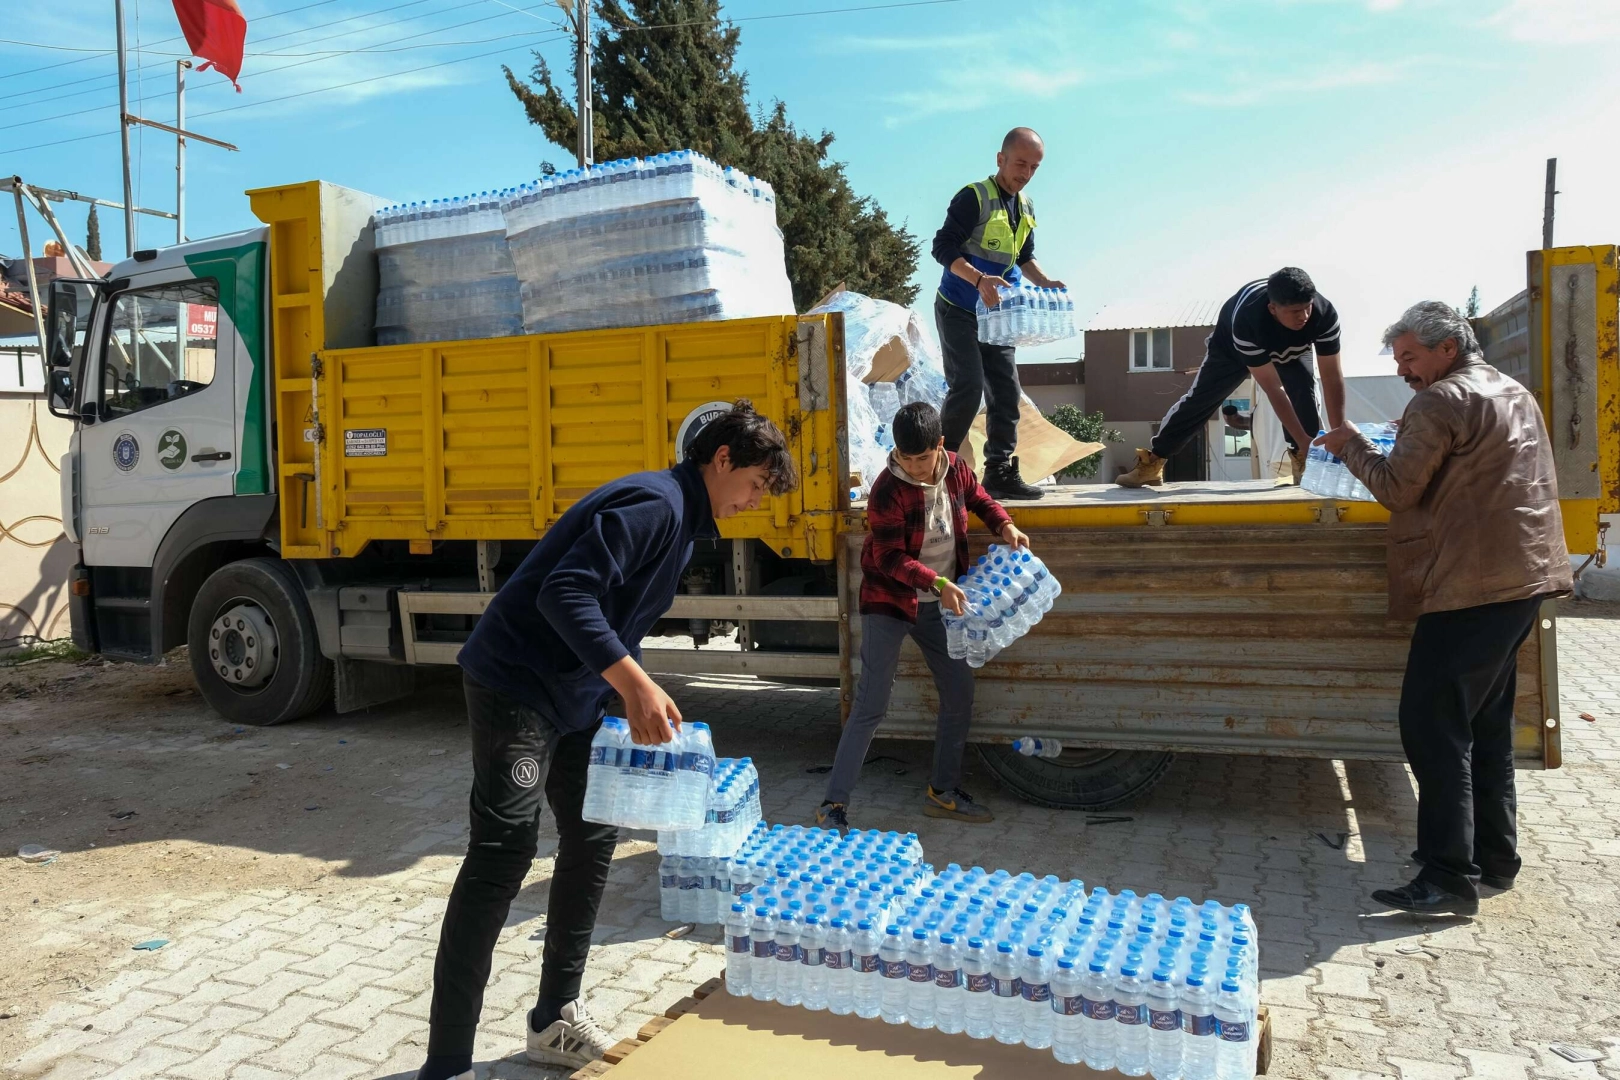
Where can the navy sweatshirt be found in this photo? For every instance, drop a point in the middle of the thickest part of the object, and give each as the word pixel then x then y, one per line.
pixel 588 593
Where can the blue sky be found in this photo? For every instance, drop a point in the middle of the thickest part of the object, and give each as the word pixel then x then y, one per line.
pixel 1394 149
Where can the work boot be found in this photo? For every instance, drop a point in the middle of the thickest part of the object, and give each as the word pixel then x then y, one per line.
pixel 1001 481
pixel 1296 460
pixel 1149 470
pixel 831 815
pixel 955 804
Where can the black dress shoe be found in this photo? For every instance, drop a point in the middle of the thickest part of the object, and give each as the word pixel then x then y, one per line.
pixel 1425 898
pixel 1001 481
pixel 1494 881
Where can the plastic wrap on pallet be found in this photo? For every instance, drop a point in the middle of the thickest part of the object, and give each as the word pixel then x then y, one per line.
pixel 436 282
pixel 673 238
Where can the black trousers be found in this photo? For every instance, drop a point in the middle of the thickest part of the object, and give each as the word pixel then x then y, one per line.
pixel 1217 377
pixel 1457 729
pixel 977 371
pixel 517 755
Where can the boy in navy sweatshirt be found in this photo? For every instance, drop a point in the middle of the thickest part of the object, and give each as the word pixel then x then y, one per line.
pixel 560 637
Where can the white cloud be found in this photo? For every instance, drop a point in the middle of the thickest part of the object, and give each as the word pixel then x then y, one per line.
pixel 1250 89
pixel 1559 22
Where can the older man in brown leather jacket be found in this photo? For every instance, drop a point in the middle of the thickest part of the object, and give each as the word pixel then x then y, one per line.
pixel 1476 544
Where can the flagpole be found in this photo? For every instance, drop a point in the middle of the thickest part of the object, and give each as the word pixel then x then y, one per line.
pixel 123 131
pixel 180 150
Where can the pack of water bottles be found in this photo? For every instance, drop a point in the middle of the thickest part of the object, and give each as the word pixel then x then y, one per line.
pixel 1327 475
pixel 1027 315
pixel 641 241
pixel 732 815
pixel 1008 591
pixel 664 786
pixel 1140 984
pixel 444 272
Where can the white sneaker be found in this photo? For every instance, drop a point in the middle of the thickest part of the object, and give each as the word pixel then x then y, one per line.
pixel 576 1039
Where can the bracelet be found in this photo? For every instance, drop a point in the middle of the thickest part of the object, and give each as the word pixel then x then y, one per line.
pixel 980 278
pixel 940 583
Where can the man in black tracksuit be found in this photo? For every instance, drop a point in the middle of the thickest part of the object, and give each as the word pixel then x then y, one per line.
pixel 1268 331
pixel 559 639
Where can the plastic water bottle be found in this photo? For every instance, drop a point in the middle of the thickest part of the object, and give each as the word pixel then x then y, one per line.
pixel 762 973
pixel 896 976
pixel 949 1006
pixel 976 986
pixel 840 977
pixel 1068 1044
pixel 739 952
pixel 1097 1033
pixel 866 965
pixel 999 633
pixel 1235 1030
pixel 1007 1021
pixel 812 959
pixel 919 981
pixel 1164 1025
pixel 1035 988
pixel 668 888
pixel 1042 748
pixel 955 635
pixel 1198 1029
pixel 977 634
pixel 789 984
pixel 1131 1015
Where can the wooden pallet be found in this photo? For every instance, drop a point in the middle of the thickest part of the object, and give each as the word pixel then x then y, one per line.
pixel 625 1047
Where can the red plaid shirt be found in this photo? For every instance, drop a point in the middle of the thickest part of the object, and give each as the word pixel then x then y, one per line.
pixel 896 519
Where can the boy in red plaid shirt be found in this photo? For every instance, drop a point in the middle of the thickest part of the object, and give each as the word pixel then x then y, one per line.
pixel 916 545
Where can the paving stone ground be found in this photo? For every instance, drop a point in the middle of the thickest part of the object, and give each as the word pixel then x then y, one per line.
pixel 333 980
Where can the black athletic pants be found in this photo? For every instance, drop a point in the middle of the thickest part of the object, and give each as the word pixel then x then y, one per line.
pixel 977 371
pixel 517 754
pixel 1217 377
pixel 1457 728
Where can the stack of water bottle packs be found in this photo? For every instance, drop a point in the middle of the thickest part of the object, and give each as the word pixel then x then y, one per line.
pixel 1327 475
pixel 1008 591
pixel 444 272
pixel 1143 985
pixel 694 869
pixel 649 787
pixel 641 241
pixel 1027 315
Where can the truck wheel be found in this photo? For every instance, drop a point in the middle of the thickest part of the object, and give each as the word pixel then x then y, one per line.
pixel 253 647
pixel 1079 779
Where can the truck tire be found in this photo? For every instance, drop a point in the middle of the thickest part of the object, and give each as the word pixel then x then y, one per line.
pixel 1078 779
pixel 253 647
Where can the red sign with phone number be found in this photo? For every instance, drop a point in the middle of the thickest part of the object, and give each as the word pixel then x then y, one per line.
pixel 202 321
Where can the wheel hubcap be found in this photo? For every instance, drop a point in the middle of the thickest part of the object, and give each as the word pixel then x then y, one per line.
pixel 242 646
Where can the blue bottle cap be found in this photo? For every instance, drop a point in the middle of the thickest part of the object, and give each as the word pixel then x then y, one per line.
pixel 947 939
pixel 738 908
pixel 975 942
pixel 919 934
pixel 864 924
pixel 893 931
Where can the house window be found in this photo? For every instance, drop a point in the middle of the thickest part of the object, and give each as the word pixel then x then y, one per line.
pixel 1150 350
pixel 1239 442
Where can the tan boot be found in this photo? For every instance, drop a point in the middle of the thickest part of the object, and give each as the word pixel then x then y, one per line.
pixel 1296 461
pixel 1149 470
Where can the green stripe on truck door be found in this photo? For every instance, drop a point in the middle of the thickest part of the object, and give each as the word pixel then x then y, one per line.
pixel 240 274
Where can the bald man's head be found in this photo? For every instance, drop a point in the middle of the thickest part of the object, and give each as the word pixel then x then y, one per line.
pixel 1020 156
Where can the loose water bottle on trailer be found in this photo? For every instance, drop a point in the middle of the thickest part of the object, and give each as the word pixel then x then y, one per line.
pixel 1197 1029
pixel 976 1002
pixel 896 976
pixel 1067 1034
pixel 948 993
pixel 840 977
pixel 1042 748
pixel 919 981
pixel 1131 1017
pixel 1006 1016
pixel 1235 1031
pixel 739 952
pixel 866 964
pixel 762 972
pixel 1164 1025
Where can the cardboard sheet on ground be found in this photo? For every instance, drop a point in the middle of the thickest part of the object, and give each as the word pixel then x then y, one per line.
pixel 728 1038
pixel 1043 448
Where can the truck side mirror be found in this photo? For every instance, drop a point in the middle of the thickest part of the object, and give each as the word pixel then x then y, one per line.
pixel 62 321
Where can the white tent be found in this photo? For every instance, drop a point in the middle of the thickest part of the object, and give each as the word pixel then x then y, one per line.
pixel 1368 399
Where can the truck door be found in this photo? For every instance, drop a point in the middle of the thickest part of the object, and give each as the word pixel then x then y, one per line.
pixel 162 393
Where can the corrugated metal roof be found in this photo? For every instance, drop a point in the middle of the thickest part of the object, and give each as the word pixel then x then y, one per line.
pixel 1146 314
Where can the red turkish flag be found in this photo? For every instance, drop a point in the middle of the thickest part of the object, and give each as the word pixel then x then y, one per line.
pixel 215 30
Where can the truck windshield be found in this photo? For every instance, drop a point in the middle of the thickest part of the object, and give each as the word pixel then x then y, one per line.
pixel 161 345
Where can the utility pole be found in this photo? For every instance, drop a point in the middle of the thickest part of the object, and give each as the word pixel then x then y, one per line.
pixel 123 131
pixel 1547 205
pixel 582 70
pixel 180 67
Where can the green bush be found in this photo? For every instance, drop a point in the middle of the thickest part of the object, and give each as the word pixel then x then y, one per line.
pixel 1086 427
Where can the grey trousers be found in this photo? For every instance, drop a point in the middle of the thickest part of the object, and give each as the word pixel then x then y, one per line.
pixel 881 637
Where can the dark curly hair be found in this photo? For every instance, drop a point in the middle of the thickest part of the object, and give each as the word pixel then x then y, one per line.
pixel 753 440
